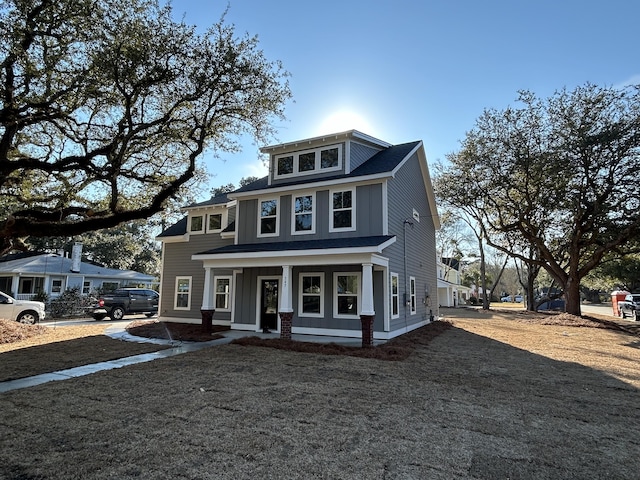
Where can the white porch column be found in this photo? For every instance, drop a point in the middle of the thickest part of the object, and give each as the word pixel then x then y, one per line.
pixel 207 294
pixel 367 290
pixel 286 302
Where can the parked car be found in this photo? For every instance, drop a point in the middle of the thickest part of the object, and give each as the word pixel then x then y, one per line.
pixel 508 298
pixel 125 301
pixel 23 311
pixel 630 306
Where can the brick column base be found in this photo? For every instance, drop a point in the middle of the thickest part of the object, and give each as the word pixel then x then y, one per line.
pixel 207 320
pixel 367 330
pixel 285 325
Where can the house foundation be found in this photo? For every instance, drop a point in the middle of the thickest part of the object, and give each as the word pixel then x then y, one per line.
pixel 207 320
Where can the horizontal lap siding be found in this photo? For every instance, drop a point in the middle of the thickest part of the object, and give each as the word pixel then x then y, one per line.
pixel 405 192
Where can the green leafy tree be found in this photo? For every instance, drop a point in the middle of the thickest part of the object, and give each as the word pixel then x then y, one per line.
pixel 560 175
pixel 107 105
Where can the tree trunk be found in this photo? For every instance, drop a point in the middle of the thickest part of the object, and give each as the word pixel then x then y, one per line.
pixel 572 296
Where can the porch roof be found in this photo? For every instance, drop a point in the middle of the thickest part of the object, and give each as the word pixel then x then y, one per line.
pixel 326 251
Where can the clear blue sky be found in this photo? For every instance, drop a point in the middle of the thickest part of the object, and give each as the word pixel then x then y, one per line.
pixel 404 70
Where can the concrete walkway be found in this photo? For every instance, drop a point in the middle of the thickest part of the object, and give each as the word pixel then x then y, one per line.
pixel 118 331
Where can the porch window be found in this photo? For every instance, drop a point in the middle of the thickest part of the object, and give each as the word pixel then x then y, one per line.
pixel 395 296
pixel 311 295
pixel 342 211
pixel 223 293
pixel 412 295
pixel 268 219
pixel 346 300
pixel 303 214
pixel 183 293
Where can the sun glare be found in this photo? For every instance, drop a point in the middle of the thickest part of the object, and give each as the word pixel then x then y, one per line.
pixel 343 120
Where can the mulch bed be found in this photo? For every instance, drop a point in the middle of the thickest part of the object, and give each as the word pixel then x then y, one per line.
pixel 398 348
pixel 186 332
pixel 11 331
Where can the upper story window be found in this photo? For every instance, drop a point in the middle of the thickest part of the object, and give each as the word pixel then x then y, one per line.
pixel 196 224
pixel 342 211
pixel 268 218
pixel 303 214
pixel 309 161
pixel 215 222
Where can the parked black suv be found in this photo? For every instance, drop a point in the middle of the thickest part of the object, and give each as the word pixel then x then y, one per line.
pixel 125 301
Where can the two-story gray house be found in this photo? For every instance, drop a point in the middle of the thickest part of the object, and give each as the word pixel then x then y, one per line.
pixel 338 240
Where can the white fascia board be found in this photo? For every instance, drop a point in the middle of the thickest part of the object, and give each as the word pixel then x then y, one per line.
pixel 293 261
pixel 349 134
pixel 363 180
pixel 174 239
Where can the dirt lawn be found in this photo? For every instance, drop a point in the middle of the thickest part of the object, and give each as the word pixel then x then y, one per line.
pixel 489 398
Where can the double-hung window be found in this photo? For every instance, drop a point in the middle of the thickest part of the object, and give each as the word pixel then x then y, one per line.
pixel 395 296
pixel 222 293
pixel 342 211
pixel 183 293
pixel 346 298
pixel 268 218
pixel 303 214
pixel 311 296
pixel 412 295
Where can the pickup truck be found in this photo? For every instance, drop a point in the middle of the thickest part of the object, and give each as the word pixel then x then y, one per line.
pixel 125 301
pixel 23 311
pixel 630 306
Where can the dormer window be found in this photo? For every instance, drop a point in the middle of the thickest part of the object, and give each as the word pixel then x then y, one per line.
pixel 196 224
pixel 317 160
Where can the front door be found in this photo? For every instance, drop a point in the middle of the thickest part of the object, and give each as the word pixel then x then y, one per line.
pixel 269 305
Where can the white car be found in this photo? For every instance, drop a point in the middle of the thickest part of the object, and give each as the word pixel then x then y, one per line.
pixel 23 311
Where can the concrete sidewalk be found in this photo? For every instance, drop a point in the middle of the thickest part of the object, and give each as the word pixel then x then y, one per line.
pixel 118 331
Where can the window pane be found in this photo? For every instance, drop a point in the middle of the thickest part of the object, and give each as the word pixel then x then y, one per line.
pixel 329 158
pixel 394 304
pixel 182 300
pixel 221 301
pixel 347 284
pixel 311 304
pixel 346 199
pixel 196 224
pixel 183 285
pixel 268 208
pixel 285 165
pixel 222 285
pixel 215 222
pixel 394 285
pixel 311 284
pixel 342 219
pixel 307 162
pixel 348 305
pixel 303 222
pixel 304 204
pixel 268 225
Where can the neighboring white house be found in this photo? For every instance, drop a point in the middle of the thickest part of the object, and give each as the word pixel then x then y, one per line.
pixel 451 292
pixel 24 275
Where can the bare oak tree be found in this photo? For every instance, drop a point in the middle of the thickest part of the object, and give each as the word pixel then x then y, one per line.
pixel 107 105
pixel 559 173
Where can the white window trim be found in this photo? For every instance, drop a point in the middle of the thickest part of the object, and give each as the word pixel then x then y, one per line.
pixel 352 228
pixel 190 293
pixel 277 232
pixel 296 162
pixel 313 213
pixel 335 294
pixel 396 295
pixel 223 221
pixel 227 294
pixel 301 293
pixel 197 232
pixel 413 304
